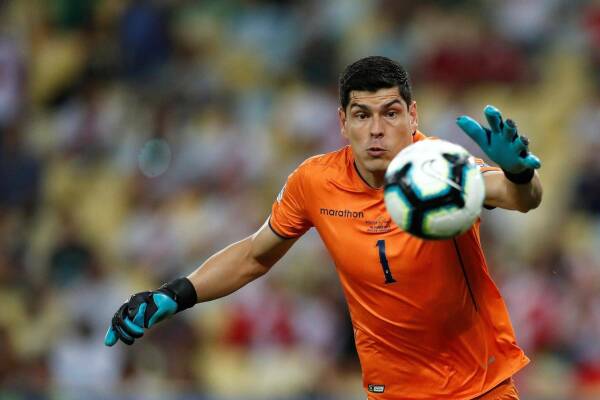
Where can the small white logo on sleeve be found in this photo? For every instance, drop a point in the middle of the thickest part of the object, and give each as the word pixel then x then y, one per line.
pixel 376 388
pixel 280 195
pixel 481 164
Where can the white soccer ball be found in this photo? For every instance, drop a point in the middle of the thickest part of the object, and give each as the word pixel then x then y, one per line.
pixel 434 189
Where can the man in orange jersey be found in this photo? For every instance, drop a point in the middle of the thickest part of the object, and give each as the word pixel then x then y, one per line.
pixel 429 322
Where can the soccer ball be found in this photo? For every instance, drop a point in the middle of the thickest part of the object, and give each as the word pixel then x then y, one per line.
pixel 434 190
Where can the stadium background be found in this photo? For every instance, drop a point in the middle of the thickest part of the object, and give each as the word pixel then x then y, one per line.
pixel 138 137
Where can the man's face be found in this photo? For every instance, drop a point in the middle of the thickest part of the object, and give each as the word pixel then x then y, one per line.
pixel 378 125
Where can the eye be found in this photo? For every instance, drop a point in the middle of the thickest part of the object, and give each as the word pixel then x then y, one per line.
pixel 361 115
pixel 392 114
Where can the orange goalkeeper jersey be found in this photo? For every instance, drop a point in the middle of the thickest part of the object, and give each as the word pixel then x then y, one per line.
pixel 429 322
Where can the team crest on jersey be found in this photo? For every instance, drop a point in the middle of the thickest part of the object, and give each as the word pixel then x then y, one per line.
pixel 280 195
pixel 380 224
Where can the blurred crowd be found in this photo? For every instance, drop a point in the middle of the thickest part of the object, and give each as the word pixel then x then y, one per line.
pixel 139 137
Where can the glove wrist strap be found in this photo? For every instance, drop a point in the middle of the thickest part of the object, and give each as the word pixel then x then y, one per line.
pixel 520 178
pixel 183 292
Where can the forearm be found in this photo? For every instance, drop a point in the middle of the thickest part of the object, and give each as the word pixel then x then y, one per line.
pixel 501 192
pixel 526 196
pixel 227 271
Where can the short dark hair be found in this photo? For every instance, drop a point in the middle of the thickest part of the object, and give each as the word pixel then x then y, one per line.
pixel 371 74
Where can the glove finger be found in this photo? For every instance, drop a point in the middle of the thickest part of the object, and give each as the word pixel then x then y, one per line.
pixel 110 338
pixel 125 324
pixel 531 161
pixel 165 305
pixel 138 318
pixel 125 338
pixel 520 145
pixel 474 130
pixel 509 130
pixel 138 306
pixel 121 334
pixel 136 301
pixel 494 118
pixel 133 329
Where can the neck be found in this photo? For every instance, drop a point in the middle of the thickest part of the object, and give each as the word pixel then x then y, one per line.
pixel 375 180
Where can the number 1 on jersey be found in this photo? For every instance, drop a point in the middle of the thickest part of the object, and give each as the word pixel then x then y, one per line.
pixel 384 262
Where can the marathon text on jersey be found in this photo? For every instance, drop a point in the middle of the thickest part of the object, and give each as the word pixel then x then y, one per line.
pixel 342 213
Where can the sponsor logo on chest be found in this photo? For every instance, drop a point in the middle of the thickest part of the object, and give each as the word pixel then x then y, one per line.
pixel 341 213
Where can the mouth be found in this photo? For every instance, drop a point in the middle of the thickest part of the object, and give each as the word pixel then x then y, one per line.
pixel 376 151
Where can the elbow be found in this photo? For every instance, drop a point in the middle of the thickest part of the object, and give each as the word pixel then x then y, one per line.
pixel 525 210
pixel 532 203
pixel 256 270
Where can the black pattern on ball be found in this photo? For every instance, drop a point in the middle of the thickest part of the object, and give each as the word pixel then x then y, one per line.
pixel 454 197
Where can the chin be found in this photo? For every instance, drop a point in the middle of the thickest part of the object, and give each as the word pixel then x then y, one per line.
pixel 377 165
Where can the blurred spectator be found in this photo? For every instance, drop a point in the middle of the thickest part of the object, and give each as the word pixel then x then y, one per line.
pixel 71 258
pixel 485 58
pixel 73 14
pixel 83 126
pixel 79 366
pixel 586 196
pixel 526 23
pixel 261 318
pixel 10 361
pixel 591 24
pixel 20 173
pixel 12 81
pixel 144 37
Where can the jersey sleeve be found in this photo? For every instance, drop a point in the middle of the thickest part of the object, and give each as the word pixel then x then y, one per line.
pixel 289 218
pixel 485 167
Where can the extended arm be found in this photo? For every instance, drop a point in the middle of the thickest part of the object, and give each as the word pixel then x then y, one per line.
pixel 238 264
pixel 223 273
pixel 500 192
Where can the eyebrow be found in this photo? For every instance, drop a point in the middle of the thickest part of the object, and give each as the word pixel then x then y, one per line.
pixel 367 108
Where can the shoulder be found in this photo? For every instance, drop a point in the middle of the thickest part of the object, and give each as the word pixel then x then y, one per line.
pixel 418 136
pixel 326 164
pixel 319 171
pixel 328 159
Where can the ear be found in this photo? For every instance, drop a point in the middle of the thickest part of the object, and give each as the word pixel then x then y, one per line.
pixel 342 121
pixel 413 116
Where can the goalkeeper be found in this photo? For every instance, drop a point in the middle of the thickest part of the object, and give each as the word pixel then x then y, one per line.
pixel 429 322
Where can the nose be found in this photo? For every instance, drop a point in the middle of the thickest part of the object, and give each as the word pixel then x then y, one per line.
pixel 376 127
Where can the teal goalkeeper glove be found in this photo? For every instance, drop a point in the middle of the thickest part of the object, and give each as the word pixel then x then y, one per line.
pixel 145 309
pixel 502 144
